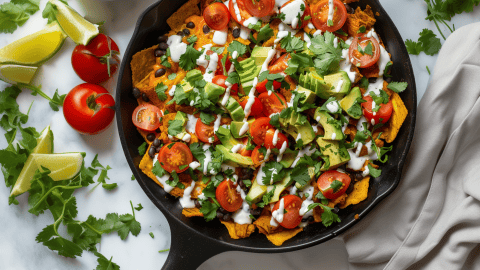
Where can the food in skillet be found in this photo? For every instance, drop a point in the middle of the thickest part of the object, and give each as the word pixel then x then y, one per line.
pixel 267 114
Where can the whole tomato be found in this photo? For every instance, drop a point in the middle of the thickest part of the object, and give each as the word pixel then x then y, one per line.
pixel 97 61
pixel 89 108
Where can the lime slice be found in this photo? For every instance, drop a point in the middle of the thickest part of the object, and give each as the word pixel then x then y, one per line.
pixel 73 24
pixel 62 166
pixel 44 146
pixel 16 73
pixel 34 49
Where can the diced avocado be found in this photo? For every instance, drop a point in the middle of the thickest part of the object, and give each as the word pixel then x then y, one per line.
pixel 260 54
pixel 288 157
pixel 234 109
pixel 294 126
pixel 236 126
pixel 314 82
pixel 335 151
pixel 213 91
pixel 280 187
pixel 311 172
pixel 256 192
pixel 187 87
pixel 309 95
pixel 193 75
pixel 182 117
pixel 348 102
pixel 332 132
pixel 339 82
pixel 226 138
pixel 234 159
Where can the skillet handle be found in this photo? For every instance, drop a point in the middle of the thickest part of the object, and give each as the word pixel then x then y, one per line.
pixel 189 249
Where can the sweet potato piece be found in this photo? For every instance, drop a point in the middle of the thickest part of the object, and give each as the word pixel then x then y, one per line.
pixel 359 193
pixel 192 212
pixel 360 18
pixel 238 231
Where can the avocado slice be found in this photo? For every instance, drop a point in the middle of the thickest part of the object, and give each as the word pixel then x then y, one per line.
pixel 337 153
pixel 314 82
pixel 234 159
pixel 247 71
pixel 226 138
pixel 281 186
pixel 350 105
pixel 182 117
pixel 260 54
pixel 236 126
pixel 256 192
pixel 309 95
pixel 331 132
pixel 214 91
pixel 311 172
pixel 340 84
pixel 193 75
pixel 288 157
pixel 234 109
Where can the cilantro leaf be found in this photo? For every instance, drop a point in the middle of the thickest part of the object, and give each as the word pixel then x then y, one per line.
pixel 158 170
pixel 142 149
pixel 267 198
pixel 15 13
pixel 328 217
pixel 139 207
pixel 264 34
pixel 336 185
pixel 300 174
pixel 104 264
pixel 209 210
pixel 188 60
pixel 275 120
pixel 328 57
pixel 374 172
pixel 397 87
pixel 428 43
pixel 175 127
pixel 273 173
pixel 192 39
pixel 291 43
pixel 238 47
pixel 233 78
pixel 299 60
pixel 207 118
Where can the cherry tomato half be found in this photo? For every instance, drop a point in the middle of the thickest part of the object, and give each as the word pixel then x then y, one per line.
pixel 147 117
pixel 228 196
pixel 205 132
pixel 220 80
pixel 259 128
pixel 384 113
pixel 273 103
pixel 259 8
pixel 257 157
pixel 292 205
pixel 262 86
pixel 325 180
pixel 280 65
pixel 172 157
pixel 364 59
pixel 244 152
pixel 257 107
pixel 269 136
pixel 320 15
pixel 306 13
pixel 89 108
pixel 91 62
pixel 216 16
pixel 244 15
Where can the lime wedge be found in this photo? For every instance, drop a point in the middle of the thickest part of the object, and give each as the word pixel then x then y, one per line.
pixel 62 166
pixel 34 49
pixel 73 24
pixel 15 73
pixel 44 142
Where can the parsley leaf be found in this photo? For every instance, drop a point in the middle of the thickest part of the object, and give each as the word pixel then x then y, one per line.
pixel 397 87
pixel 188 60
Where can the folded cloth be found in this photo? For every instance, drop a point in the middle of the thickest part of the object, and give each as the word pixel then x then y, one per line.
pixel 432 219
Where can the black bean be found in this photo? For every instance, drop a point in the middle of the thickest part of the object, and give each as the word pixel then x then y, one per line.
pixel 246 173
pixel 220 215
pixel 311 219
pixel 359 175
pixel 241 184
pixel 190 25
pixel 136 92
pixel 158 130
pixel 350 10
pixel 236 32
pixel 163 46
pixel 163 38
pixel 151 152
pixel 206 29
pixel 197 204
pixel 158 149
pixel 256 212
pixel 336 209
pixel 372 80
pixel 223 210
pixel 186 32
pixel 151 136
pixel 227 217
pixel 160 72
pixel 304 219
pixel 145 97
pixel 156 142
pixel 387 79
pixel 180 33
pixel 159 53
pixel 350 188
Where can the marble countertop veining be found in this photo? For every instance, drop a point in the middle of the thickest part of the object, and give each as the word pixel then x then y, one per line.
pixel 18 249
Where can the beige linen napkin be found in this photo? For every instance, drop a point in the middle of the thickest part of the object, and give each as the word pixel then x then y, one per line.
pixel 432 219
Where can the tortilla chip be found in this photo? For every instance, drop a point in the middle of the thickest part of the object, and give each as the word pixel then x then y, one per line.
pixel 359 193
pixel 238 231
pixel 399 115
pixel 278 238
pixel 360 18
pixel 263 224
pixel 188 9
pixel 142 64
pixel 370 72
pixel 192 212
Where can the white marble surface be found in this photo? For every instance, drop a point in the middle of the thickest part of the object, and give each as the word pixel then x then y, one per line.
pixel 18 249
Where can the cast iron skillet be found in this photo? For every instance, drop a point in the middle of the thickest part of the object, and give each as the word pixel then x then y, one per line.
pixel 194 240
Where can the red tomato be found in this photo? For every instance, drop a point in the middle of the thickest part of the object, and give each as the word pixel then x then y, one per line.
pixel 292 205
pixel 259 8
pixel 147 117
pixel 262 87
pixel 273 103
pixel 220 80
pixel 91 62
pixel 384 113
pixel 243 12
pixel 306 13
pixel 280 65
pixel 320 15
pixel 325 180
pixel 205 132
pixel 172 157
pixel 257 157
pixel 216 16
pixel 244 152
pixel 364 60
pixel 259 128
pixel 228 196
pixel 89 108
pixel 257 107
pixel 281 138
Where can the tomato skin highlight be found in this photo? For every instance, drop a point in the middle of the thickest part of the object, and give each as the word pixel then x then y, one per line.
pixel 385 111
pixel 259 8
pixel 258 130
pixel 325 180
pixel 89 62
pixel 320 16
pixel 273 103
pixel 365 60
pixel 292 205
pixel 281 138
pixel 228 196
pixel 89 108
pixel 172 157
pixel 257 107
pixel 204 132
pixel 262 86
pixel 147 117
pixel 216 16
pixel 220 81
